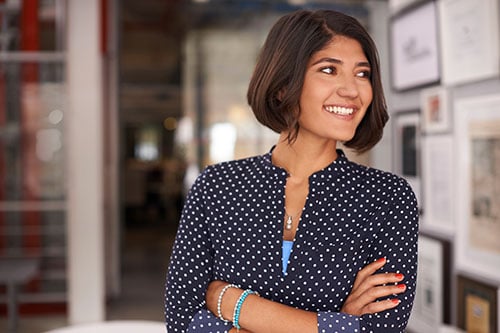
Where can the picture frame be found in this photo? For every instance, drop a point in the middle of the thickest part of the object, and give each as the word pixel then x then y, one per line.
pixel 438 184
pixel 477 139
pixel 431 307
pixel 406 148
pixel 477 309
pixel 469 40
pixel 414 46
pixel 436 113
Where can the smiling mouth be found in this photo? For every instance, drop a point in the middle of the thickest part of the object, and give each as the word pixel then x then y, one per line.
pixel 340 110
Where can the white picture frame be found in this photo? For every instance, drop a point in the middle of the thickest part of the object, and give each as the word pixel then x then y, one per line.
pixel 477 142
pixel 438 178
pixel 436 114
pixel 469 40
pixel 428 313
pixel 414 47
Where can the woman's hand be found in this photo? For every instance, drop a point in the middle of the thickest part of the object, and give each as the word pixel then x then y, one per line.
pixel 368 287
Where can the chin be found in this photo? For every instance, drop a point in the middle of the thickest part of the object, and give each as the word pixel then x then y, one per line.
pixel 346 137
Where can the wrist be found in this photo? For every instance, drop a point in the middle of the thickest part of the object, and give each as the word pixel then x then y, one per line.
pixel 212 294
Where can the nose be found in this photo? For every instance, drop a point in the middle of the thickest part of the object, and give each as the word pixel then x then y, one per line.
pixel 347 87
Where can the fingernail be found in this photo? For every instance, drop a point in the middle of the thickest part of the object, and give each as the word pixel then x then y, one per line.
pixel 381 259
pixel 395 301
pixel 401 286
pixel 399 276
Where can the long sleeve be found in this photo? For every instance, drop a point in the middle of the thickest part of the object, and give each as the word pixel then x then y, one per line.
pixel 397 241
pixel 190 268
pixel 396 222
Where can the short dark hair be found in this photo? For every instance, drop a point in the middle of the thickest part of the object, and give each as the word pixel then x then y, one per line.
pixel 276 84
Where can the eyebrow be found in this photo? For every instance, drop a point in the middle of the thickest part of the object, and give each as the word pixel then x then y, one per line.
pixel 340 62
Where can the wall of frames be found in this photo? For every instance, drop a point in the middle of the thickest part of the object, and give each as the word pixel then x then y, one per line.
pixel 444 100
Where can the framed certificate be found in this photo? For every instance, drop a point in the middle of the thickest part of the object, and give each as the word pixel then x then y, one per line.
pixel 477 138
pixel 438 184
pixel 477 306
pixel 414 46
pixel 431 308
pixel 469 40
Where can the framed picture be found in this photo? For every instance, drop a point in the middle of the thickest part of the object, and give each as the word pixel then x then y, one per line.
pixel 414 46
pixel 406 146
pixel 477 306
pixel 477 138
pixel 469 40
pixel 436 115
pixel 438 184
pixel 431 308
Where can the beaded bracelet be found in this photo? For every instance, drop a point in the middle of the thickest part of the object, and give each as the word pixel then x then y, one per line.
pixel 219 301
pixel 237 307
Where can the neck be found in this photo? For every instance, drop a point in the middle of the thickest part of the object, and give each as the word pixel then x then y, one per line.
pixel 301 159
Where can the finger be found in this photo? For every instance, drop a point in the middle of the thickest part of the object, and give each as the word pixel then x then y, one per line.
pixel 368 270
pixel 380 306
pixel 375 280
pixel 384 279
pixel 373 294
pixel 382 292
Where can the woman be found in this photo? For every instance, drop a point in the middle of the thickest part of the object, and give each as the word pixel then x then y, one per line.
pixel 301 239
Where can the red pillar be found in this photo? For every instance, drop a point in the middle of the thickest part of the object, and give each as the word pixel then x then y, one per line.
pixel 29 29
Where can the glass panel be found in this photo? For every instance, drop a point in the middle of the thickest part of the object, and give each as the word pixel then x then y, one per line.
pixel 32 174
pixel 39 31
pixel 31 131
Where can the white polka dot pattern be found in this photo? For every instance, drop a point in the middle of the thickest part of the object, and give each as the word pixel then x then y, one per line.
pixel 231 229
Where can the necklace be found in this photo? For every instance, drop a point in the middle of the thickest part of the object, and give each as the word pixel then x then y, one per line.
pixel 289 221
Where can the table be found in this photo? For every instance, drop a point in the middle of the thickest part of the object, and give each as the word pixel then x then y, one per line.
pixel 15 272
pixel 115 326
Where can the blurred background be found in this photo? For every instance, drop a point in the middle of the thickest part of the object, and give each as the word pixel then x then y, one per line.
pixel 108 111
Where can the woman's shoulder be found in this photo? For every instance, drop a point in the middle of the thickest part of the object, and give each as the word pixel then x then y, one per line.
pixel 379 178
pixel 235 168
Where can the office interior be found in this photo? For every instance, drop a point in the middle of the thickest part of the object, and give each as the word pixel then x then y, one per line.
pixel 110 108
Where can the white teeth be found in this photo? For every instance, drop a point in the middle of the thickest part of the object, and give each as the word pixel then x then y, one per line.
pixel 339 110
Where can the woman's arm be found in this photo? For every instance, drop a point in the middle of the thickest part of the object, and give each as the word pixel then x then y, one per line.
pixel 261 315
pixel 190 269
pixel 397 237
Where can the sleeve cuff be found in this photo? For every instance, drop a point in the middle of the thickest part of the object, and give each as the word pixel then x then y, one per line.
pixel 204 321
pixel 337 322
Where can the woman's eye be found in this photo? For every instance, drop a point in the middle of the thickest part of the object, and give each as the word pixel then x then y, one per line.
pixel 328 70
pixel 365 74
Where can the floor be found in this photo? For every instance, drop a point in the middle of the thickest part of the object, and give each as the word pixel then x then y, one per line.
pixel 145 259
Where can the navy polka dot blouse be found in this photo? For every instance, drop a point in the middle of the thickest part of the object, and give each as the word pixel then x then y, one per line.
pixel 231 229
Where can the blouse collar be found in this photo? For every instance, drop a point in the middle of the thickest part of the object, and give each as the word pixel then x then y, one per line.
pixel 336 166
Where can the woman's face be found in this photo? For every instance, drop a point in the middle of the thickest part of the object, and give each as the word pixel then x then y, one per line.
pixel 337 91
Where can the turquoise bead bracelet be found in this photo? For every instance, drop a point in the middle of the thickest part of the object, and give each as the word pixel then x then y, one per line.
pixel 237 307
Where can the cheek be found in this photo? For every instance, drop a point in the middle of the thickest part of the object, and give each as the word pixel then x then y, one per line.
pixel 367 96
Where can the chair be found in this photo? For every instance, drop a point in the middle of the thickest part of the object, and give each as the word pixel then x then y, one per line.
pixel 115 326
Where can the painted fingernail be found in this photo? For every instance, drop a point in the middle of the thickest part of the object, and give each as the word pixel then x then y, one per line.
pixel 381 259
pixel 401 286
pixel 395 301
pixel 399 276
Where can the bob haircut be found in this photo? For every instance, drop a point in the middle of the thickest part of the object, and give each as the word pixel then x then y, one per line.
pixel 276 84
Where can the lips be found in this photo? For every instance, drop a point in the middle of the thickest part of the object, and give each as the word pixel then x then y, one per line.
pixel 340 110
